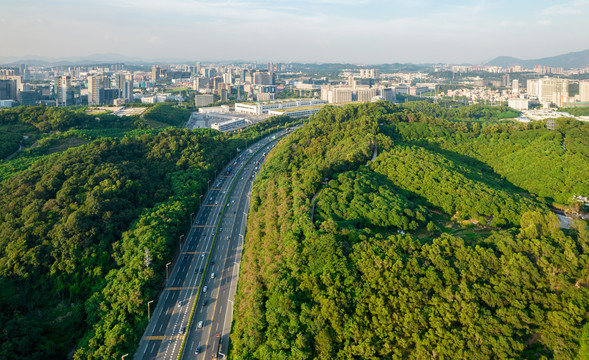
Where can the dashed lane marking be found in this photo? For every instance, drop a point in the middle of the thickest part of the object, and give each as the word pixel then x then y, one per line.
pixel 182 288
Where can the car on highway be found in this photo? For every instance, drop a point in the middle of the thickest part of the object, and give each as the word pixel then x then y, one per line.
pixel 212 275
pixel 197 351
pixel 182 330
pixel 204 303
pixel 181 303
pixel 199 325
pixel 204 289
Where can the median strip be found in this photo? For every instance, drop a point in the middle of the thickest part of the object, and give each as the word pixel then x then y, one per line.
pixel 213 243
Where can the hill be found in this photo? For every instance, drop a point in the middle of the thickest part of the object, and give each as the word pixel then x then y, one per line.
pixel 579 59
pixel 88 218
pixel 442 247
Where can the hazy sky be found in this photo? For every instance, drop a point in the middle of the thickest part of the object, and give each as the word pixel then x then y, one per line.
pixel 359 31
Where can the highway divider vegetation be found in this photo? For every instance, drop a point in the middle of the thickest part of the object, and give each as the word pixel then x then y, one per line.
pixel 442 247
pixel 88 218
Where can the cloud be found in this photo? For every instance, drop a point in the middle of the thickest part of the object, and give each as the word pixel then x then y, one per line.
pixel 544 22
pixel 572 8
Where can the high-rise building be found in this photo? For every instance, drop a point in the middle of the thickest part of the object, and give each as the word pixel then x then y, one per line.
pixel 369 73
pixel 553 90
pixel 108 96
pixel 10 87
pixel 125 86
pixel 94 86
pixel 200 83
pixel 262 78
pixel 515 86
pixel 62 90
pixel 505 80
pixel 157 73
pixel 584 90
pixel 7 89
pixel 532 87
pixel 228 78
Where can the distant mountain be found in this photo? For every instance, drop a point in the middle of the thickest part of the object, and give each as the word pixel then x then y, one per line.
pixel 577 59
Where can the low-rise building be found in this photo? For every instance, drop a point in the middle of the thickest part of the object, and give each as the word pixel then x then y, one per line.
pixel 519 104
pixel 230 125
pixel 260 108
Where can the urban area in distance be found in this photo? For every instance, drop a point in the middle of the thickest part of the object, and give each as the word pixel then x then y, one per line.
pixel 374 181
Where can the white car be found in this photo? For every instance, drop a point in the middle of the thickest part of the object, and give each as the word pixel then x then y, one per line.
pixel 212 275
pixel 199 325
pixel 204 289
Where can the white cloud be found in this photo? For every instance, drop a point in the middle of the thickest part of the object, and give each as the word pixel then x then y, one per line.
pixel 545 22
pixel 571 8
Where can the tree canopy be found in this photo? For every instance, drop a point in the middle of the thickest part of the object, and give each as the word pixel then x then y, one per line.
pixel 442 247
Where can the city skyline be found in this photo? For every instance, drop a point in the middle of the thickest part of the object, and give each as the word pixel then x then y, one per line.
pixel 364 31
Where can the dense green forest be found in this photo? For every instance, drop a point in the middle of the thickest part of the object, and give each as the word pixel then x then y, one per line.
pixel 89 216
pixel 442 247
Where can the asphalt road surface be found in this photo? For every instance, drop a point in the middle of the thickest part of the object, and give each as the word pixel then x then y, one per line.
pixel 210 257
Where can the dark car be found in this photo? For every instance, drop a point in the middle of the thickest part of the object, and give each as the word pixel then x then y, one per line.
pixel 204 303
pixel 197 351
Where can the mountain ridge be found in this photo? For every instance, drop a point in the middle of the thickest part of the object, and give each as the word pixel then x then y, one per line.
pixel 575 59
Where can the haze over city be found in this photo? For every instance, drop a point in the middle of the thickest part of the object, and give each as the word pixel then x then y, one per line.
pixel 363 31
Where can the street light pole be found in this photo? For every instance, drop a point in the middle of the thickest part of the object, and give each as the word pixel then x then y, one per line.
pixel 168 264
pixel 148 312
pixel 181 236
pixel 123 357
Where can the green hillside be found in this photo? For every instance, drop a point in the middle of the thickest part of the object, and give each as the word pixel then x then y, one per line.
pixel 89 216
pixel 442 247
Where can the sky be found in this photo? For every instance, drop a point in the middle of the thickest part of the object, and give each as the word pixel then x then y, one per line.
pixel 343 31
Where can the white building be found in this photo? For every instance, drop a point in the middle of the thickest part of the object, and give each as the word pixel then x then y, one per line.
pixel 519 104
pixel 7 103
pixel 264 108
pixel 584 91
pixel 303 113
pixel 515 87
pixel 344 94
pixel 230 125
pixel 214 109
pixel 369 73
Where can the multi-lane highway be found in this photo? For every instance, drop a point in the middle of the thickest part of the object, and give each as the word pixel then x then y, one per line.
pixel 194 312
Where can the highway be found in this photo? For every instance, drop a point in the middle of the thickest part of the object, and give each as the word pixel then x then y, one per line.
pixel 205 274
